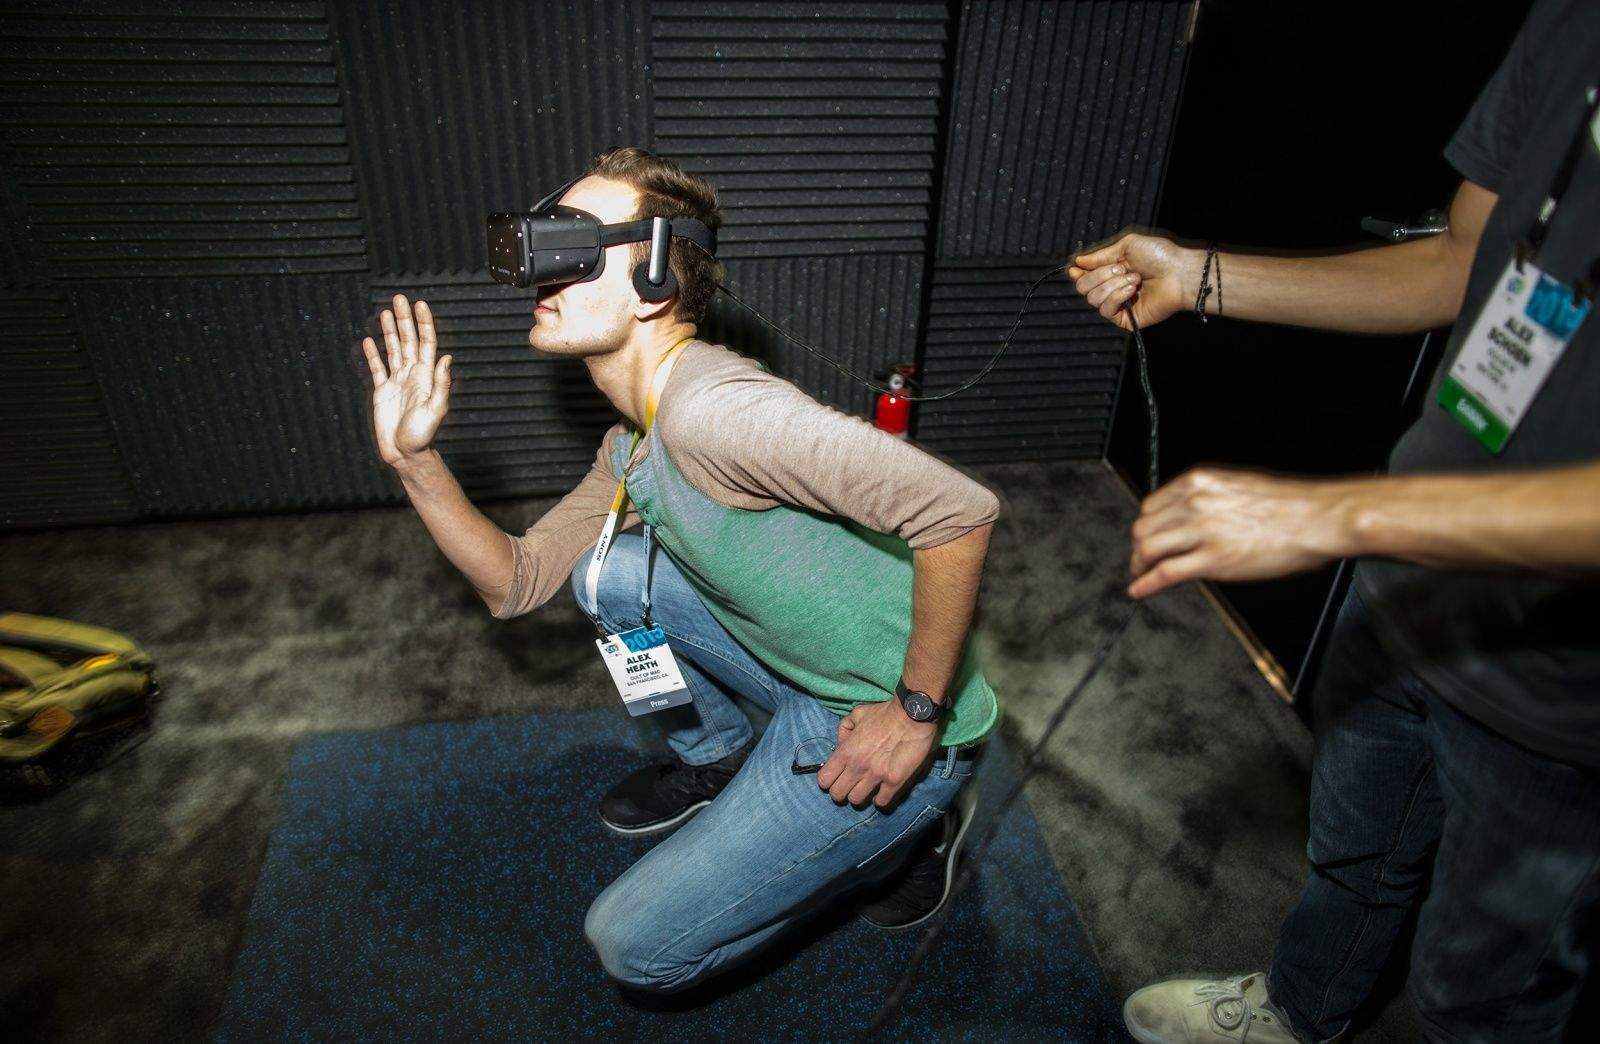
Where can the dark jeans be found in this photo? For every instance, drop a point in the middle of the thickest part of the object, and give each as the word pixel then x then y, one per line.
pixel 1506 934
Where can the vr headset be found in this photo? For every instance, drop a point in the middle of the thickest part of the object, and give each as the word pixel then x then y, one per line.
pixel 553 244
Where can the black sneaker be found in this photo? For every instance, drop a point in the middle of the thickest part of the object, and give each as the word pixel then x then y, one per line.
pixel 918 891
pixel 659 797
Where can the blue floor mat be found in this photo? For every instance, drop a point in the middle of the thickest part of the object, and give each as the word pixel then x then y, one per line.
pixel 429 883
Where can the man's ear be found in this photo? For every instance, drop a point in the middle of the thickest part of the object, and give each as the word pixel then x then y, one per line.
pixel 645 311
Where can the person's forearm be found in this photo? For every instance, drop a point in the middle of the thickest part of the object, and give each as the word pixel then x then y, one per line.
pixel 1394 289
pixel 944 594
pixel 472 543
pixel 1541 520
pixel 1401 288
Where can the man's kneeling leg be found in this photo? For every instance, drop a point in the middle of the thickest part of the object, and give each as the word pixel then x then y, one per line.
pixel 769 851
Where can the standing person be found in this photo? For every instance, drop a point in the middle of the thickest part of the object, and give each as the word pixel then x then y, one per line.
pixel 807 562
pixel 1458 712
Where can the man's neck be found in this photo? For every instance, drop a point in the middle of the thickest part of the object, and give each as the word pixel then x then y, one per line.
pixel 624 376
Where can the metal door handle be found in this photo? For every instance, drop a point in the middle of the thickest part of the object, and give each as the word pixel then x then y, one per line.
pixel 1430 224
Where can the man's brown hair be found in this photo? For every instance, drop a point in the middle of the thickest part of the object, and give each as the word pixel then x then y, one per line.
pixel 667 190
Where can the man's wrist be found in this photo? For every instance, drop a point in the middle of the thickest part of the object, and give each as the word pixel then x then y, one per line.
pixel 1191 268
pixel 1348 521
pixel 418 469
pixel 1397 515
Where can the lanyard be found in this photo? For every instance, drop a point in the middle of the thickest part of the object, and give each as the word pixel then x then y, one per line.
pixel 1529 247
pixel 608 532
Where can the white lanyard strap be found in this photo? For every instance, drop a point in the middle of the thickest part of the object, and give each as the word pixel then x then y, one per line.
pixel 608 532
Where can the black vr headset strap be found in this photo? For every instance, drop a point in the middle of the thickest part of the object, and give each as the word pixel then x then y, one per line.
pixel 557 194
pixel 694 231
pixel 653 279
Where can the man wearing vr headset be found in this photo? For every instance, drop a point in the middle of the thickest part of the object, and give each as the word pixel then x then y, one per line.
pixel 807 562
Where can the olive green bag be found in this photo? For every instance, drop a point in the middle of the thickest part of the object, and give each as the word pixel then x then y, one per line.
pixel 61 680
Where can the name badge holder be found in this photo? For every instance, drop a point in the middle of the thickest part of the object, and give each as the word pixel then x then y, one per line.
pixel 1524 326
pixel 639 660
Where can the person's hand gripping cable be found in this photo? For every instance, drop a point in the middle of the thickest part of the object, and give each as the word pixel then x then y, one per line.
pixel 1151 276
pixel 1209 523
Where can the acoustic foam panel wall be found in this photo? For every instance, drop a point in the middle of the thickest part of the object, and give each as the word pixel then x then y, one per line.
pixel 19 260
pixel 1060 116
pixel 246 395
pixel 524 423
pixel 815 121
pixel 186 175
pixel 192 139
pixel 1048 398
pixel 224 155
pixel 459 109
pixel 520 422
pixel 861 311
pixel 59 462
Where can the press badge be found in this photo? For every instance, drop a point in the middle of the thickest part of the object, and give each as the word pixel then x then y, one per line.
pixel 643 667
pixel 1523 329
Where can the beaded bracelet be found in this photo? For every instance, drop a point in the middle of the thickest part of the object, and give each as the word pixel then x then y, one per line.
pixel 1212 263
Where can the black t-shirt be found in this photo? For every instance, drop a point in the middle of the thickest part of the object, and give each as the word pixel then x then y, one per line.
pixel 1519 651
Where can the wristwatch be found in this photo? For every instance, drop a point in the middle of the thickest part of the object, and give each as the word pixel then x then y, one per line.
pixel 919 706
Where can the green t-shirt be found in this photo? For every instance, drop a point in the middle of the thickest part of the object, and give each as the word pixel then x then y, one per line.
pixel 792 520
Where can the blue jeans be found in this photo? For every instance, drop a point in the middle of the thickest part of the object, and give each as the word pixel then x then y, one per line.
pixel 773 847
pixel 1503 939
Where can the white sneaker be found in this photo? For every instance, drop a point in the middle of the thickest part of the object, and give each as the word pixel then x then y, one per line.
pixel 1184 1011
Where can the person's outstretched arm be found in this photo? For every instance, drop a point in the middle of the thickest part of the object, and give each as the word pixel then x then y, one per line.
pixel 1215 524
pixel 410 397
pixel 1398 288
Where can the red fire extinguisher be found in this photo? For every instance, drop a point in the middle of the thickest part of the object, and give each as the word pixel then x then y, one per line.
pixel 893 412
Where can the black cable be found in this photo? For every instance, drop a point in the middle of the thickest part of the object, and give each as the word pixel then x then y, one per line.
pixel 1029 766
pixel 781 332
pixel 1035 756
pixel 1153 471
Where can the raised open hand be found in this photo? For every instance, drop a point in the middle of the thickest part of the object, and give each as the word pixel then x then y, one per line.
pixel 411 396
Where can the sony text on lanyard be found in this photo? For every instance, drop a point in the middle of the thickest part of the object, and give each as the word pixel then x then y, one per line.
pixel 646 674
pixel 1525 325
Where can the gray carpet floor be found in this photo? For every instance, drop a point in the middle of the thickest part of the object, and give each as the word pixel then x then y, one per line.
pixel 1173 799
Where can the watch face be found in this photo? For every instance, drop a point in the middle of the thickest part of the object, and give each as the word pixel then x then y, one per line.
pixel 919 706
